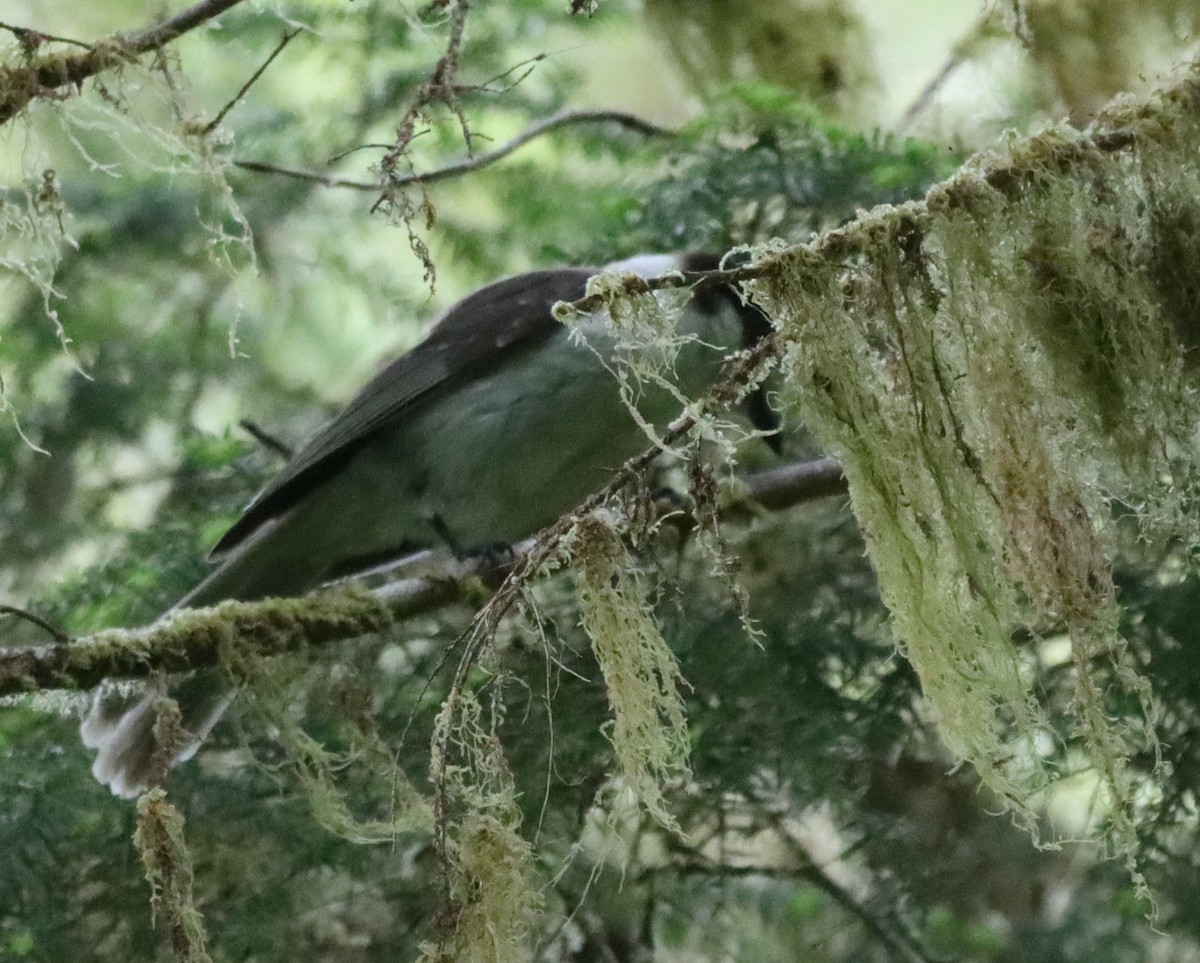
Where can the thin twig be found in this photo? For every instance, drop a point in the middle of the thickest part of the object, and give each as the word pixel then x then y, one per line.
pixel 958 54
pixel 265 438
pixel 58 634
pixel 314 177
pixel 468 164
pixel 441 85
pixel 31 39
pixel 51 73
pixel 287 38
pixel 341 155
pixel 901 944
pixel 925 97
pixel 554 122
pixel 529 62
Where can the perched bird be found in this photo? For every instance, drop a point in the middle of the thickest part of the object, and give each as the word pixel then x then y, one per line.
pixel 496 424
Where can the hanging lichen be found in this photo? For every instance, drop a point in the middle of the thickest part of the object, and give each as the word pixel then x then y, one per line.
pixel 123 128
pixel 492 897
pixel 272 688
pixel 995 367
pixel 1087 51
pixel 649 731
pixel 159 840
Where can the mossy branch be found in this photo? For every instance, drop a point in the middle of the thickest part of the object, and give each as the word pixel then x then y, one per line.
pixel 49 75
pixel 193 639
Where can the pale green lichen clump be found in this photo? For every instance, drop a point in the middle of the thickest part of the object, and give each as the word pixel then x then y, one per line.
pixel 995 367
pixel 272 686
pixel 159 840
pixel 649 730
pixel 492 895
pixel 639 341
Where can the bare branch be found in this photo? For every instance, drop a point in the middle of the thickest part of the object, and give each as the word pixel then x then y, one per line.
pixel 987 24
pixel 51 73
pixel 266 439
pixel 315 177
pixel 567 118
pixel 52 630
pixel 466 165
pixel 801 481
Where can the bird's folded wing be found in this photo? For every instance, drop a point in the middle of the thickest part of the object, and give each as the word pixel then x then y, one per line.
pixel 468 341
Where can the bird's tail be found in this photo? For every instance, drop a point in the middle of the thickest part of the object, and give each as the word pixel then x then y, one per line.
pixel 130 756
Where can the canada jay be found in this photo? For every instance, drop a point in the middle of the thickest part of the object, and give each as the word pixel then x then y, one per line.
pixel 492 427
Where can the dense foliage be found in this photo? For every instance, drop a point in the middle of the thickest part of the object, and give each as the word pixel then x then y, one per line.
pixel 156 294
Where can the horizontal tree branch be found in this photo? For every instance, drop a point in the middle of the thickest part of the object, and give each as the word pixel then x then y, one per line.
pixel 198 638
pixel 192 639
pixel 279 625
pixel 801 481
pixel 568 118
pixel 48 74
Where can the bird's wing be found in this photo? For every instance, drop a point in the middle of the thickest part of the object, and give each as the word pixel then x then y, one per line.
pixel 465 344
